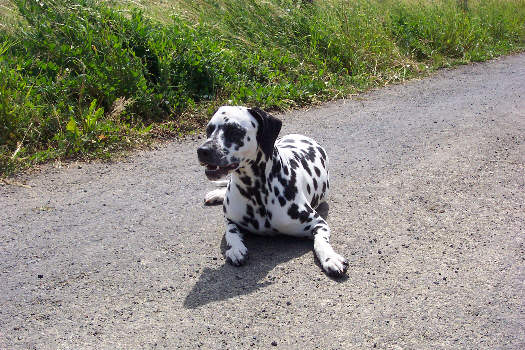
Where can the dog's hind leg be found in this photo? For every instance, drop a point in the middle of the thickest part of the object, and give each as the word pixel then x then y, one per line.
pixel 333 264
pixel 215 197
pixel 316 228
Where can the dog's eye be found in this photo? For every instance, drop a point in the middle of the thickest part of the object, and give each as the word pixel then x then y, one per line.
pixel 209 130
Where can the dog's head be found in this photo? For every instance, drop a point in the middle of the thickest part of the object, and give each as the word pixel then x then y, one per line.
pixel 234 137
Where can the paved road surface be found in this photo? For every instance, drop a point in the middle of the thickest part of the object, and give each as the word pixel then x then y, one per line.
pixel 428 205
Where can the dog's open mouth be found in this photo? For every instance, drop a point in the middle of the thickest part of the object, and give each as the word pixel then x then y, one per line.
pixel 214 172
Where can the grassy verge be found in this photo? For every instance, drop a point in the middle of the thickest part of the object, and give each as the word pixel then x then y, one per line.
pixel 84 78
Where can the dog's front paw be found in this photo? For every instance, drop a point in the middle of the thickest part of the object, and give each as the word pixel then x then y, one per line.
pixel 335 265
pixel 237 256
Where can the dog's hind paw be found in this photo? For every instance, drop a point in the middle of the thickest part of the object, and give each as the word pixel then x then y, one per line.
pixel 237 256
pixel 335 265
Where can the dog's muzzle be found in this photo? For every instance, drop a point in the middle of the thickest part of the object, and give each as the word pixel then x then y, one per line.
pixel 215 167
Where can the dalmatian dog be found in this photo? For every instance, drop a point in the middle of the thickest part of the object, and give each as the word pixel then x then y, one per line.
pixel 275 185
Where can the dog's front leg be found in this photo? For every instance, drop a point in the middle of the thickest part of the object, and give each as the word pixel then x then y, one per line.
pixel 333 264
pixel 236 253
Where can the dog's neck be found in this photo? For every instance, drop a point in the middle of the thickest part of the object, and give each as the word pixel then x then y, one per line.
pixel 253 174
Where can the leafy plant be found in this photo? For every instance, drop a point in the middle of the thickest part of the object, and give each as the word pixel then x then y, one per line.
pixel 83 78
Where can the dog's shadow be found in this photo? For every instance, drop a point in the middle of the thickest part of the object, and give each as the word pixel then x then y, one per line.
pixel 229 281
pixel 264 254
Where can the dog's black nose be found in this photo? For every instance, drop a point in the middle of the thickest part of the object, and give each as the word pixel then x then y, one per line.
pixel 204 153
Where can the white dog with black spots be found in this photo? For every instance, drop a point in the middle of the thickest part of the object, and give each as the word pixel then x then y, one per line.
pixel 275 185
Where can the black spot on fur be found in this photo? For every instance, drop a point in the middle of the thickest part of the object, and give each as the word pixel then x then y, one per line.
pixel 282 201
pixel 295 214
pixel 251 221
pixel 233 134
pixel 317 229
pixel 258 158
pixel 317 171
pixel 290 189
pixel 294 164
pixel 210 129
pixel 246 180
pixel 243 192
pixel 289 185
pixel 254 193
pixel 249 210
pixel 323 154
pixel 315 201
pixel 315 184
pixel 307 228
pixel 306 166
pixel 258 169
pixel 308 189
pixel 276 169
pixel 310 154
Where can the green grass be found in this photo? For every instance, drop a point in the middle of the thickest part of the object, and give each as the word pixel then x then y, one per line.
pixel 86 79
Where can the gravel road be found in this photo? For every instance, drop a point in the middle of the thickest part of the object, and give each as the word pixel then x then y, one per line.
pixel 427 204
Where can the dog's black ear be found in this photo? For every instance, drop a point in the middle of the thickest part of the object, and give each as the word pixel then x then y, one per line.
pixel 267 131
